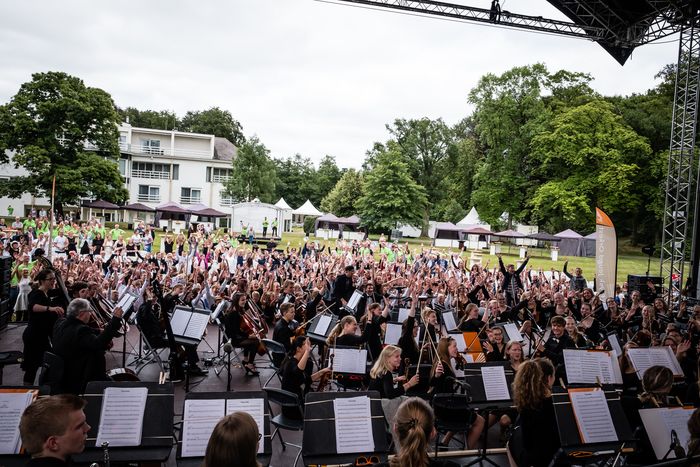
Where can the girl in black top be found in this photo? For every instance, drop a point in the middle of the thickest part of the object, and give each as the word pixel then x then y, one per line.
pixel 297 372
pixel 536 440
pixel 344 333
pixel 233 326
pixel 496 349
pixel 471 321
pixel 168 244
pixel 384 376
pixel 97 243
pixel 42 317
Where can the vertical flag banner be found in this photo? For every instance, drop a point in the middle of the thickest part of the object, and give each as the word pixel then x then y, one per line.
pixel 605 253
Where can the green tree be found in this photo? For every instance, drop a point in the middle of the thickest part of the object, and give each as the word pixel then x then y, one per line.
pixel 296 180
pixel 590 158
pixel 253 173
pixel 46 126
pixel 157 119
pixel 326 178
pixel 391 196
pixel 342 199
pixel 214 121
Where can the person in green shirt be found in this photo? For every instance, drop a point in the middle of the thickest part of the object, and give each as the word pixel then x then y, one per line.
pixel 29 222
pixel 274 227
pixel 10 210
pixel 265 225
pixel 116 233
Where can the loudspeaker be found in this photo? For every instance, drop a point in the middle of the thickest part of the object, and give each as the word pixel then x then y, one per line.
pixel 640 283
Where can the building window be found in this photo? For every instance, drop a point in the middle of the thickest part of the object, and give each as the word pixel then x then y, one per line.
pixel 225 200
pixel 218 175
pixel 176 171
pixel 190 195
pixel 150 170
pixel 151 146
pixel 122 167
pixel 149 194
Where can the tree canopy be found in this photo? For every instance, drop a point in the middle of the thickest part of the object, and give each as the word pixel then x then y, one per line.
pixel 253 174
pixel 342 199
pixel 213 121
pixel 46 125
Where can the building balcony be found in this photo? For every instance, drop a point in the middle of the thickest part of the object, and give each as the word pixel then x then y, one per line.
pixel 226 201
pixel 190 199
pixel 137 149
pixel 148 198
pixel 150 174
pixel 220 178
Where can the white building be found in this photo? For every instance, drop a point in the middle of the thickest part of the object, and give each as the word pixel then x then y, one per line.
pixel 159 166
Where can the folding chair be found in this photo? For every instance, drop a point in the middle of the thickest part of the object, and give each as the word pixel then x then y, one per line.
pixel 51 372
pixel 281 421
pixel 452 413
pixel 275 353
pixel 152 354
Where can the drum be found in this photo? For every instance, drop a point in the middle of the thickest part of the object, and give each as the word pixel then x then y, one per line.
pixel 122 374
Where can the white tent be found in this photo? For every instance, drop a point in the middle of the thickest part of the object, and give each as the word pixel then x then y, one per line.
pixel 287 214
pixel 253 214
pixel 472 218
pixel 306 209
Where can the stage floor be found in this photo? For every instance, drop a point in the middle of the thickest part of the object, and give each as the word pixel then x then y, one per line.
pixel 11 339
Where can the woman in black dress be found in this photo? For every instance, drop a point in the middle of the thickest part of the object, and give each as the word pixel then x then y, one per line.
pixel 42 317
pixel 233 326
pixel 297 372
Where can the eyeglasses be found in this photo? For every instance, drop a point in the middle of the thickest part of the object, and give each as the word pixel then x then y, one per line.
pixel 363 460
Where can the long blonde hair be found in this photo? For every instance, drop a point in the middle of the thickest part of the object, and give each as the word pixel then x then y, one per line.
pixel 413 424
pixel 339 328
pixel 381 366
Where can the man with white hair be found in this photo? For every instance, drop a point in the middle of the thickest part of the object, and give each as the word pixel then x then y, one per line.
pixel 81 347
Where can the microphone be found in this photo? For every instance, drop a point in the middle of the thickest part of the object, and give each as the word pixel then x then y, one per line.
pixel 676 445
pixel 463 384
pixel 228 347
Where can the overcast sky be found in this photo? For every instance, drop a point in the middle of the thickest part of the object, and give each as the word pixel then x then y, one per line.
pixel 306 76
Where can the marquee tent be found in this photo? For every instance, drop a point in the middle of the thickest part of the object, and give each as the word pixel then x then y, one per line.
pixel 306 209
pixel 287 216
pixel 571 244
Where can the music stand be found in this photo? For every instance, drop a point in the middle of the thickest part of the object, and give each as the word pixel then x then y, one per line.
pixel 21 459
pixel 157 433
pixel 573 450
pixel 349 378
pixel 264 457
pixel 189 324
pixel 423 370
pixel 316 331
pixel 473 376
pixel 319 436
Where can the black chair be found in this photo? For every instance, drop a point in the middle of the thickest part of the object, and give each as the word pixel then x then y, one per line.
pixel 452 413
pixel 51 373
pixel 289 401
pixel 275 353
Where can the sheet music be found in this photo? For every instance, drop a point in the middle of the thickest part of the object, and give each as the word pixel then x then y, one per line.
pixel 197 325
pixel 583 366
pixel 495 383
pixel 644 358
pixel 200 418
pixel 126 302
pixel 449 319
pixel 513 332
pixel 354 299
pixel 393 333
pixel 253 407
pixel 179 320
pixel 353 425
pixel 403 314
pixel 658 424
pixel 121 420
pixel 461 344
pixel 12 406
pixel 615 343
pixel 593 417
pixel 350 361
pixel 120 290
pixel 322 325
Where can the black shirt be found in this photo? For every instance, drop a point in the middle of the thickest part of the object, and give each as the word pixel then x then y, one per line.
pixel 386 386
pixel 283 334
pixel 539 427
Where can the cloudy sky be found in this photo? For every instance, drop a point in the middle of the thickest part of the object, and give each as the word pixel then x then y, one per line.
pixel 306 76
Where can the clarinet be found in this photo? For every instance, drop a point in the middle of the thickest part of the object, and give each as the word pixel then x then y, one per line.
pixel 105 456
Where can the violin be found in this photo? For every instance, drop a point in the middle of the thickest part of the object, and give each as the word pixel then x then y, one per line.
pixel 326 377
pixel 249 327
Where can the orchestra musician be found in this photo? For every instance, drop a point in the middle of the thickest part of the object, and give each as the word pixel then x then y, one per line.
pixel 577 338
pixel 384 376
pixel 471 321
pixel 343 289
pixel 297 372
pixel 344 333
pixel 234 441
pixel 283 332
pixel 514 354
pixel 82 347
pixel 495 347
pixel 553 349
pixel 42 317
pixel 235 329
pixel 443 381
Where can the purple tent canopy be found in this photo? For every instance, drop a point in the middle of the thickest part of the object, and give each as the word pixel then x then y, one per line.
pixel 172 208
pixel 544 237
pixel 477 231
pixel 209 212
pixel 100 204
pixel 137 207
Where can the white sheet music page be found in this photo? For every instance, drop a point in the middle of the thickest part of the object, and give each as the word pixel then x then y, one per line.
pixel 644 358
pixel 393 333
pixel 179 320
pixel 495 383
pixel 126 302
pixel 353 425
pixel 196 326
pixel 121 419
pixel 461 344
pixel 12 406
pixel 677 419
pixel 513 332
pixel 322 325
pixel 593 417
pixel 200 418
pixel 403 314
pixel 449 318
pixel 253 407
pixel 584 366
pixel 350 361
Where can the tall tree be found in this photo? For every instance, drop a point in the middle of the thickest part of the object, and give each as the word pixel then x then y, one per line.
pixel 254 173
pixel 327 176
pixel 342 199
pixel 295 180
pixel 589 158
pixel 214 121
pixel 46 125
pixel 391 196
pixel 157 119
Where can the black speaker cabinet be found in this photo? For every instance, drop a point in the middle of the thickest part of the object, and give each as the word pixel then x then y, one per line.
pixel 641 283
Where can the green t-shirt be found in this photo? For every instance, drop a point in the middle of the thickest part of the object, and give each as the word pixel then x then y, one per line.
pixel 14 281
pixel 116 233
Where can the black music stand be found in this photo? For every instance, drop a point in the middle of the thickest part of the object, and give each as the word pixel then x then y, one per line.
pixel 157 433
pixel 18 460
pixel 315 334
pixel 421 389
pixel 194 322
pixel 573 450
pixel 264 457
pixel 479 400
pixel 319 442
